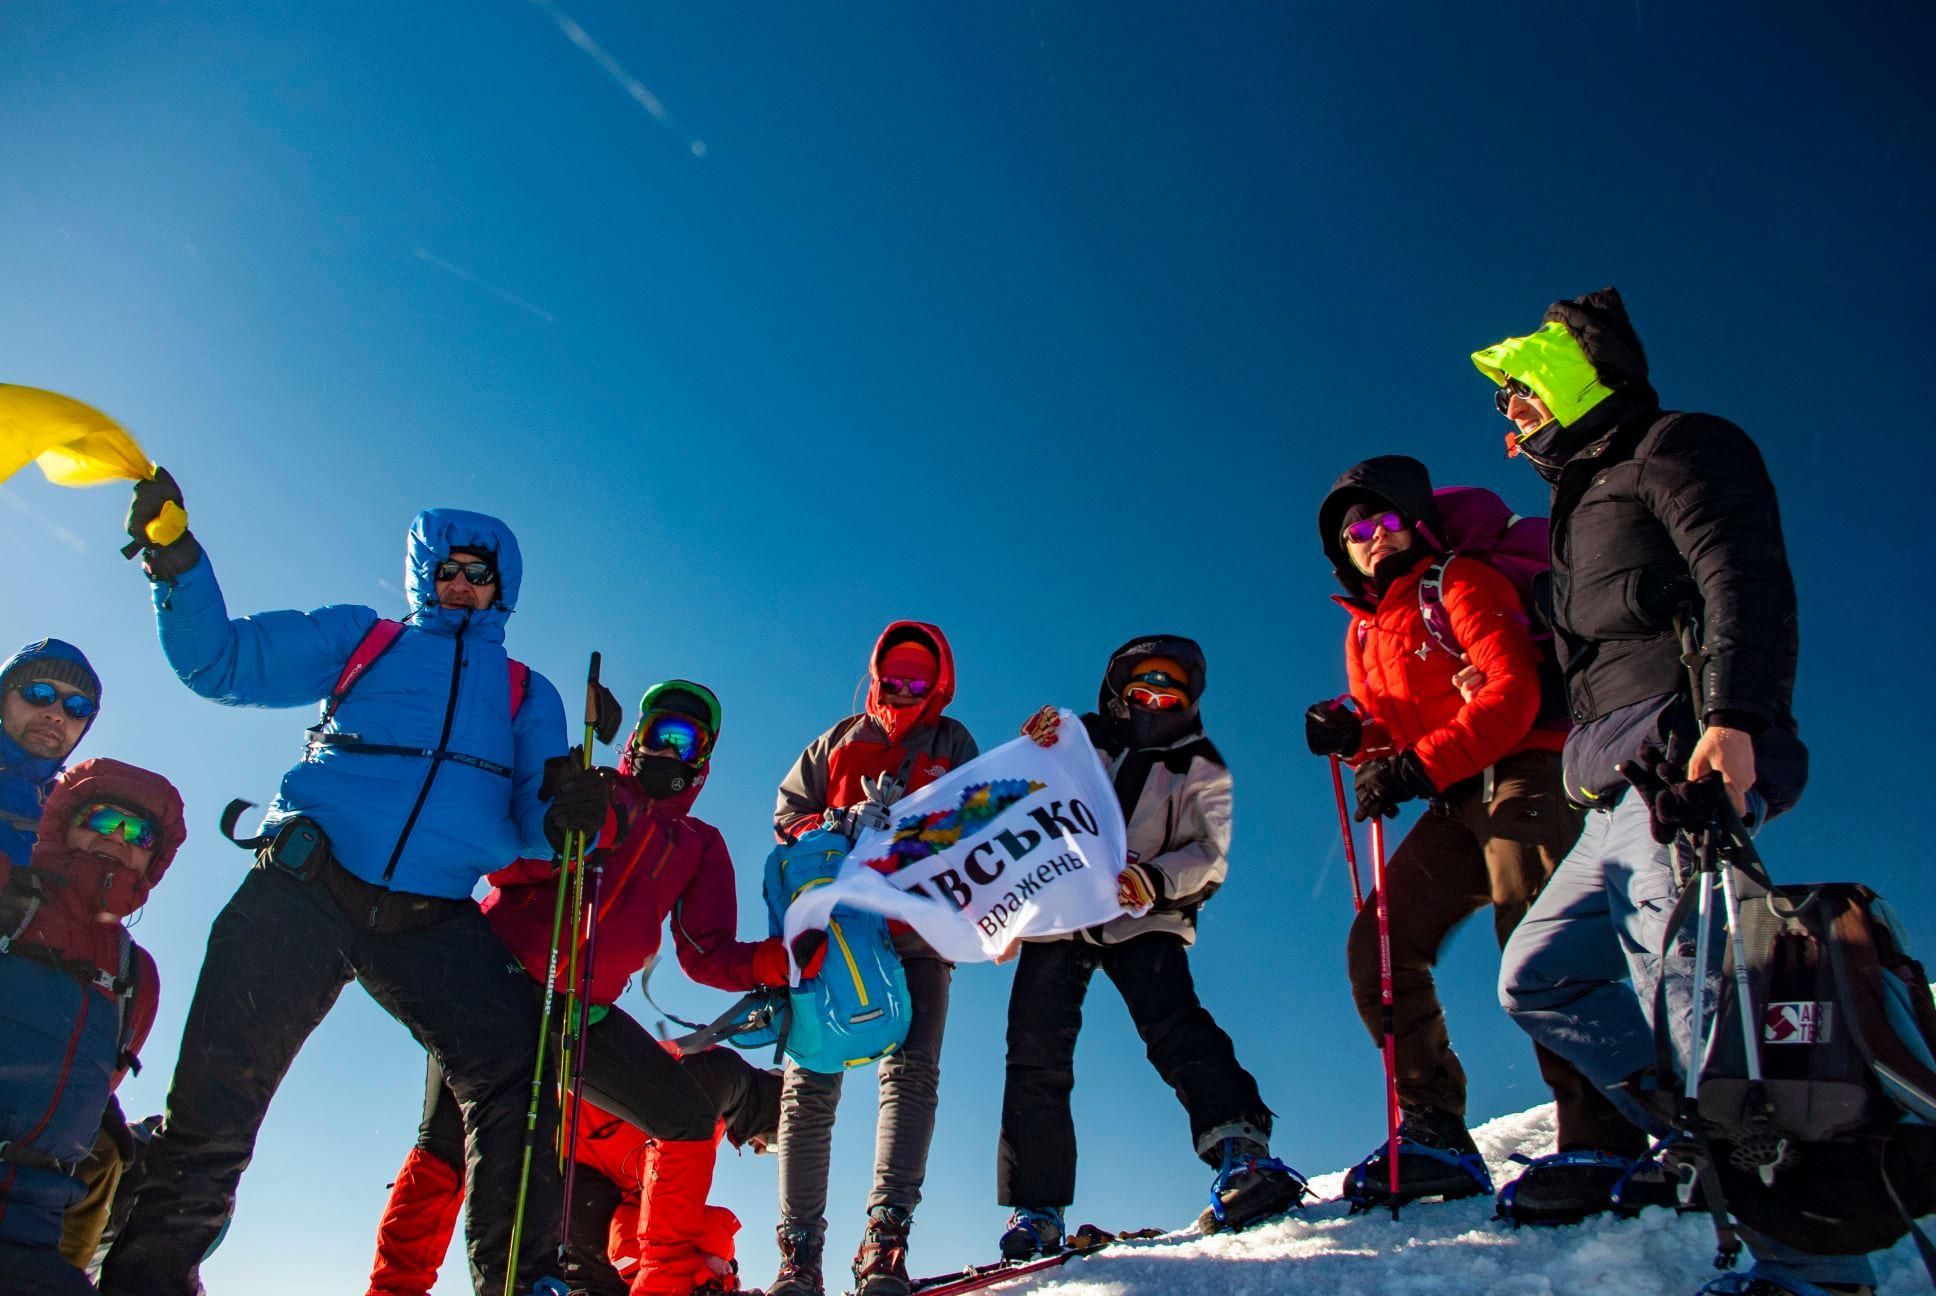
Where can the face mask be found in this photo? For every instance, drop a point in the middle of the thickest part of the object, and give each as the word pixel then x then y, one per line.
pixel 663 776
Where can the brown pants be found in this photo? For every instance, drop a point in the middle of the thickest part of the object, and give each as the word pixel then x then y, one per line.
pixel 1461 856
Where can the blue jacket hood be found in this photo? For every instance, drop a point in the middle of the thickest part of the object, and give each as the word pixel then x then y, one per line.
pixel 434 535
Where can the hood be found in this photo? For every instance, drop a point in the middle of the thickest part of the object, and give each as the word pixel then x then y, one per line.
pixel 109 780
pixel 1397 480
pixel 1585 362
pixel 1150 728
pixel 434 534
pixel 899 722
pixel 679 803
pixel 63 662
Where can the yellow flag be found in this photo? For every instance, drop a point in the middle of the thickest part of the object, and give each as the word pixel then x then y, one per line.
pixel 74 444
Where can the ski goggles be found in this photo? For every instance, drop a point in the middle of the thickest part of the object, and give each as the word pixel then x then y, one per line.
pixel 1364 529
pixel 911 685
pixel 39 693
pixel 113 822
pixel 477 573
pixel 1503 398
pixel 676 733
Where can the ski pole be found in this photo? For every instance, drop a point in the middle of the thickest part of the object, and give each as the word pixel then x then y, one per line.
pixel 1378 884
pixel 576 845
pixel 1344 826
pixel 578 1077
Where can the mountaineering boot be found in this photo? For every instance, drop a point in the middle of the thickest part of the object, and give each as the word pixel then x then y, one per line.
pixel 1564 1188
pixel 1251 1185
pixel 799 1265
pixel 1436 1158
pixel 1032 1232
pixel 880 1266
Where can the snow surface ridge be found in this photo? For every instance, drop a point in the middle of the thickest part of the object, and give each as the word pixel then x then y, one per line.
pixel 1437 1247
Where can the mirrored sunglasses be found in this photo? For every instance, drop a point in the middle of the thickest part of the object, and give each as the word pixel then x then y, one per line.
pixel 1503 398
pixel 1156 699
pixel 477 573
pixel 912 686
pixel 39 693
pixel 1365 528
pixel 113 821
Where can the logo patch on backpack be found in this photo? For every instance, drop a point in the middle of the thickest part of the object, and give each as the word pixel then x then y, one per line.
pixel 1800 1022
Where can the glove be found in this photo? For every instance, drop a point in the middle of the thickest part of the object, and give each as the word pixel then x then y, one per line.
pixel 158 500
pixel 1674 804
pixel 1385 784
pixel 1135 888
pixel 881 793
pixel 1332 729
pixel 610 716
pixel 579 798
pixel 1043 728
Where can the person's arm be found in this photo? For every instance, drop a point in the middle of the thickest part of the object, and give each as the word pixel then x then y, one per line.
pixel 961 746
pixel 705 925
pixel 538 734
pixel 803 792
pixel 1489 621
pixel 1194 867
pixel 272 659
pixel 1374 739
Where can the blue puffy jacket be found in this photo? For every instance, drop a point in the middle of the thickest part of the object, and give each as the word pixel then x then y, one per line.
pixel 430 825
pixel 24 777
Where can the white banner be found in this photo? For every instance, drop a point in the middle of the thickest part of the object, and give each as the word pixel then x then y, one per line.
pixel 1021 841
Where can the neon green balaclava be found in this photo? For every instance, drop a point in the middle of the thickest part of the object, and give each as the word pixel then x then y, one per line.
pixel 1553 365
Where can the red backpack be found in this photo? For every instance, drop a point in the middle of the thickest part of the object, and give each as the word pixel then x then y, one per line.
pixel 1475 523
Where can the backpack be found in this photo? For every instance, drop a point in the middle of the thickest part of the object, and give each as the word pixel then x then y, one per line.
pixel 1834 1152
pixel 1475 523
pixel 856 1011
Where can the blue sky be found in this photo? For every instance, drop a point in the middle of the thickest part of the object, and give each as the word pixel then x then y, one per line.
pixel 1047 323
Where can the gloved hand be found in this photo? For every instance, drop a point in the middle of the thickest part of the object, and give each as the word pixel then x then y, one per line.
pixel 1332 729
pixel 159 500
pixel 610 716
pixel 1044 727
pixel 1674 804
pixel 579 798
pixel 1387 783
pixel 1135 887
pixel 881 793
pixel 770 958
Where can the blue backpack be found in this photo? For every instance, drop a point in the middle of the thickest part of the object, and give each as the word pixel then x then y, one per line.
pixel 856 1011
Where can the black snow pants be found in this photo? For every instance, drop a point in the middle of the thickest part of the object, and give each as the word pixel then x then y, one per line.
pixel 1036 1162
pixel 280 952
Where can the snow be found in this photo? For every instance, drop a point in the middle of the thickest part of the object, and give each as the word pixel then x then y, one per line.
pixel 1434 1247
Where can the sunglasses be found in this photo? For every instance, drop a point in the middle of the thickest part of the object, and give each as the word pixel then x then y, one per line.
pixel 1364 529
pixel 39 693
pixel 1156 699
pixel 477 573
pixel 904 684
pixel 1503 398
pixel 112 821
pixel 679 734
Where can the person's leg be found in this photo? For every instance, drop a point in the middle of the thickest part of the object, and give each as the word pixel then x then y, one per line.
pixel 745 1097
pixel 596 1201
pixel 413 1237
pixel 1035 1160
pixel 1435 880
pixel 808 1103
pixel 1778 1260
pixel 87 1219
pixel 274 967
pixel 1184 1043
pixel 911 1085
pixel 632 1076
pixel 471 1005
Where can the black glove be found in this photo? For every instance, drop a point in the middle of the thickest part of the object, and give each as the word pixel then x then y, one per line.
pixel 610 716
pixel 162 562
pixel 1332 729
pixel 1385 784
pixel 1674 804
pixel 578 797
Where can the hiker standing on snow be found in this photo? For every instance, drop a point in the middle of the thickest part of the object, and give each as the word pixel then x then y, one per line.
pixel 49 698
pixel 660 862
pixel 77 999
pixel 845 778
pixel 422 778
pixel 1653 512
pixel 1175 795
pixel 1423 621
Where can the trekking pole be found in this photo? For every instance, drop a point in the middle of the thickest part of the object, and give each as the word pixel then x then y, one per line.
pixel 576 845
pixel 1378 886
pixel 578 1077
pixel 1344 826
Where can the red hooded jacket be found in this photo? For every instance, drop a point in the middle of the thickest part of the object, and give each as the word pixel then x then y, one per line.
pixel 660 862
pixel 74 887
pixel 917 741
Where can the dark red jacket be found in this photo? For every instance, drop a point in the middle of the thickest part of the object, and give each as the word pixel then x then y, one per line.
pixel 660 862
pixel 1402 678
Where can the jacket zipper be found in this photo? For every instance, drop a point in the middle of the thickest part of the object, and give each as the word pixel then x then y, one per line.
pixel 436 759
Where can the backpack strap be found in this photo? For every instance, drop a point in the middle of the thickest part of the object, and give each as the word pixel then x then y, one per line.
pixel 376 641
pixel 125 1059
pixel 31 884
pixel 520 685
pixel 1431 607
